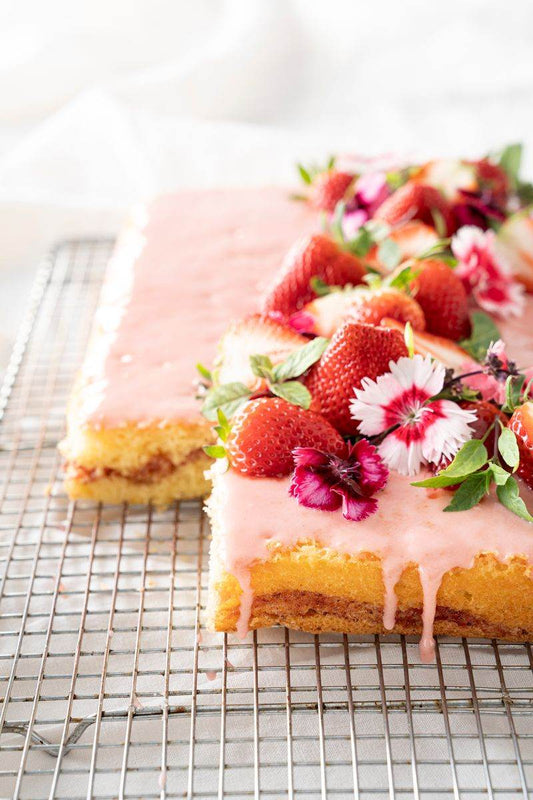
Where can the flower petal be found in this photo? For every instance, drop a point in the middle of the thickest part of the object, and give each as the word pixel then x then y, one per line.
pixel 309 457
pixel 313 490
pixel 355 508
pixel 374 473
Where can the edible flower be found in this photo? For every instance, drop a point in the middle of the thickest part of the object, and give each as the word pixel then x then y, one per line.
pixel 327 482
pixel 490 381
pixel 371 190
pixel 485 273
pixel 401 407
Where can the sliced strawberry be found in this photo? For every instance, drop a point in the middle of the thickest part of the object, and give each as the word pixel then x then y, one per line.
pixel 356 351
pixel 449 176
pixel 255 334
pixel 444 350
pixel 522 426
pixel 515 241
pixel 363 305
pixel 443 299
pixel 416 201
pixel 265 432
pixel 316 256
pixel 329 188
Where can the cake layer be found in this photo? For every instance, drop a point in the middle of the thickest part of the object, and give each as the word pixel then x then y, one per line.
pixel 183 267
pixel 409 557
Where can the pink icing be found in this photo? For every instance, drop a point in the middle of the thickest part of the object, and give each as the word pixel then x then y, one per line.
pixel 517 335
pixel 409 526
pixel 182 269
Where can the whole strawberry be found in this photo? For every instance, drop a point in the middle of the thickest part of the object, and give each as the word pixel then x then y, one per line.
pixel 265 432
pixel 521 424
pixel 329 188
pixel 313 257
pixel 443 299
pixel 417 201
pixel 374 305
pixel 356 351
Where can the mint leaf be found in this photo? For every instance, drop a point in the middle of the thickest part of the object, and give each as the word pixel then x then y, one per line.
pixel 510 160
pixel 513 392
pixel 471 457
pixel 498 474
pixel 470 492
pixel 304 174
pixel 261 366
pixel 292 391
pixel 508 447
pixel 300 360
pixel 204 372
pixel 228 398
pixel 215 450
pixel 509 496
pixel 389 254
pixel 484 332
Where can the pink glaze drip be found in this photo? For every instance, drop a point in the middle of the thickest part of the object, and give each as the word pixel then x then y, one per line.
pixel 184 267
pixel 409 527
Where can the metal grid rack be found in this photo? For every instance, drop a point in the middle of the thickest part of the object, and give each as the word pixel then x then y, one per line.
pixel 111 688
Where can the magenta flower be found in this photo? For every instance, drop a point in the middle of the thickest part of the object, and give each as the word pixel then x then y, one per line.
pixel 327 482
pixel 371 190
pixel 302 322
pixel 485 273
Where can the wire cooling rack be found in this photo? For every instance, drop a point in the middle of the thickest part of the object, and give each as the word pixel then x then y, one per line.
pixel 111 688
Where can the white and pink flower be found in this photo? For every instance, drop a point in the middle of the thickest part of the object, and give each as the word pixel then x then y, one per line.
pixel 417 430
pixel 485 272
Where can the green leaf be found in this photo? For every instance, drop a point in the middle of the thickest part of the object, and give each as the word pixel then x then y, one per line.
pixel 439 223
pixel 525 192
pixel 204 372
pixel 389 254
pixel 513 392
pixel 304 174
pixel 470 492
pixel 228 398
pixel 300 360
pixel 508 447
pixel 320 287
pixel 409 339
pixel 498 474
pixel 402 280
pixel 509 496
pixel 331 162
pixel 510 160
pixel 215 450
pixel 223 428
pixel 261 366
pixel 362 242
pixel 471 457
pixel 292 391
pixel 484 332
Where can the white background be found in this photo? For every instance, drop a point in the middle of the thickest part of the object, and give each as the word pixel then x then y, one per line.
pixel 104 102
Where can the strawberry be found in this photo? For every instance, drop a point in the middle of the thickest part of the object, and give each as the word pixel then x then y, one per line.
pixel 356 351
pixel 255 334
pixel 492 178
pixel 362 305
pixel 522 426
pixel 515 242
pixel 416 201
pixel 329 188
pixel 444 350
pixel 449 176
pixel 413 239
pixel 265 432
pixel 443 299
pixel 316 256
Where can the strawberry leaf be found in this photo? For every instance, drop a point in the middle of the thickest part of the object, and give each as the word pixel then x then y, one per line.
pixel 402 280
pixel 320 287
pixel 223 428
pixel 509 496
pixel 510 160
pixel 215 450
pixel 513 392
pixel 362 242
pixel 484 333
pixel 508 447
pixel 228 398
pixel 470 492
pixel 439 223
pixel 304 174
pixel 389 254
pixel 300 360
pixel 205 373
pixel 471 457
pixel 292 391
